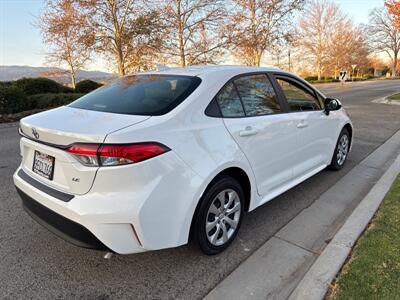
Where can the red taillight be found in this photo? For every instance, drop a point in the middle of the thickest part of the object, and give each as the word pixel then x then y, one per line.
pixel 83 149
pixel 115 154
pixel 132 152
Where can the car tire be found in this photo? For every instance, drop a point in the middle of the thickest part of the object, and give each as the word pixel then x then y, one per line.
pixel 219 215
pixel 341 150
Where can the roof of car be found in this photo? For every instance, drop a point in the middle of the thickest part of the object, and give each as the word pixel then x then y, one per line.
pixel 203 70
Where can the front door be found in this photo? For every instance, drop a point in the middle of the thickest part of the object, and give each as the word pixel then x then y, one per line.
pixel 312 125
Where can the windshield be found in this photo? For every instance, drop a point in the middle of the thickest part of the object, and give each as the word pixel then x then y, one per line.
pixel 148 95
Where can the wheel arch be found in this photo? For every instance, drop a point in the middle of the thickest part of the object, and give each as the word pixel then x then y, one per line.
pixel 349 128
pixel 237 173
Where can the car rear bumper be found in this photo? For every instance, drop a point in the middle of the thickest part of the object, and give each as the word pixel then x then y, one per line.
pixel 129 209
pixel 68 230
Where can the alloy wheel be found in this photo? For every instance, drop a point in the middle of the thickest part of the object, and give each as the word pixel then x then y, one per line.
pixel 223 217
pixel 343 149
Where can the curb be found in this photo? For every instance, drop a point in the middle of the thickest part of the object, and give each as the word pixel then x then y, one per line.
pixel 386 100
pixel 317 280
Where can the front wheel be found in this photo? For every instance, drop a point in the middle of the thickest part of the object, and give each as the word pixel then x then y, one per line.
pixel 219 215
pixel 341 150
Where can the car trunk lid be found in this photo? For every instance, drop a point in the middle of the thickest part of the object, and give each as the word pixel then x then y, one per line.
pixel 66 125
pixel 47 134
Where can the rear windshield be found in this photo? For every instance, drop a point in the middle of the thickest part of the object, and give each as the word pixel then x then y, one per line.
pixel 148 95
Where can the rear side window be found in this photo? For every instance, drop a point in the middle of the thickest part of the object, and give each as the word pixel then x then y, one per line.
pixel 148 95
pixel 229 102
pixel 258 95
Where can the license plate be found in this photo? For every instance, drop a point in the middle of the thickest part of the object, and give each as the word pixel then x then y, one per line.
pixel 43 165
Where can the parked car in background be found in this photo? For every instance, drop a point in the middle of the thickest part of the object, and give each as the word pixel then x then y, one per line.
pixel 156 159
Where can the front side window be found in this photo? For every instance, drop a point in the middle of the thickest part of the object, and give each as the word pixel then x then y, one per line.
pixel 298 98
pixel 148 95
pixel 229 102
pixel 321 100
pixel 257 94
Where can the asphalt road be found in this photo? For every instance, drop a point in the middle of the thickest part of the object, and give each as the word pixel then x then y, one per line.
pixel 36 264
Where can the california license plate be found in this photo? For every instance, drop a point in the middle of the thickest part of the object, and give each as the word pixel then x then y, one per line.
pixel 43 165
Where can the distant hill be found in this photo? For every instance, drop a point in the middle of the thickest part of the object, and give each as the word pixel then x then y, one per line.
pixel 8 73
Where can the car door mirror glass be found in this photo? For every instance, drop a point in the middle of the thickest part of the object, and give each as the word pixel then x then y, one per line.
pixel 332 104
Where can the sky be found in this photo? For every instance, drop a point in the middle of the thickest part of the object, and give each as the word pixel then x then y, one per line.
pixel 21 43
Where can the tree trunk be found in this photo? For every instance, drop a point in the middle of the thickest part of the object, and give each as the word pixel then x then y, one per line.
pixel 118 38
pixel 319 71
pixel 73 77
pixel 319 68
pixel 121 63
pixel 180 35
pixel 394 67
pixel 257 58
pixel 182 50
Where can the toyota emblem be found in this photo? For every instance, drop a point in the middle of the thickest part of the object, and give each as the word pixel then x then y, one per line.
pixel 35 133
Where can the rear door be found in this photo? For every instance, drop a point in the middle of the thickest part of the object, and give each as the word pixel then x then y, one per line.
pixel 311 123
pixel 257 121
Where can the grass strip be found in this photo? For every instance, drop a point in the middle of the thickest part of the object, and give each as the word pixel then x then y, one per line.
pixel 373 269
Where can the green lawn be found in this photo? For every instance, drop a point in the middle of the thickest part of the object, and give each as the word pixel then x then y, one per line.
pixel 373 270
pixel 395 97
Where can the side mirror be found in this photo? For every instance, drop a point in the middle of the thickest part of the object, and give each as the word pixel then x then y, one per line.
pixel 332 104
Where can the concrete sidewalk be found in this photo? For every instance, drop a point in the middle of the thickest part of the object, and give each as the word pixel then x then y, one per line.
pixel 316 282
pixel 277 267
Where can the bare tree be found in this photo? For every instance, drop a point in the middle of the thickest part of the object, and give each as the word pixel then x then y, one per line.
pixel 359 54
pixel 256 26
pixel 340 45
pixel 317 26
pixel 192 33
pixel 125 31
pixel 65 29
pixel 347 47
pixel 383 35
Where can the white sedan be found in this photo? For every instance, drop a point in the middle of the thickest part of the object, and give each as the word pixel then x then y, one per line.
pixel 156 159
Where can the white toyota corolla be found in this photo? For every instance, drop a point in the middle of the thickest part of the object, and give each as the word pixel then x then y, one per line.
pixel 153 160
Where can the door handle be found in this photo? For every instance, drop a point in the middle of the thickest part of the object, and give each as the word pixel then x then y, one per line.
pixel 302 124
pixel 248 131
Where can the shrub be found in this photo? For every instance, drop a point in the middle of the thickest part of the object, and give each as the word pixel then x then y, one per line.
pixel 326 79
pixel 12 99
pixel 329 80
pixel 311 78
pixel 86 86
pixel 5 83
pixel 41 101
pixel 33 86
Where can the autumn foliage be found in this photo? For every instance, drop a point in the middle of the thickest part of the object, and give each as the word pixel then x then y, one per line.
pixel 394 9
pixel 66 30
pixel 307 36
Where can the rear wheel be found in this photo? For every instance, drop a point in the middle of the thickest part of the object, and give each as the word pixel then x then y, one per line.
pixel 219 216
pixel 341 150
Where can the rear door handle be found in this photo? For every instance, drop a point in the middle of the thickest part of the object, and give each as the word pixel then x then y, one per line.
pixel 302 124
pixel 248 131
